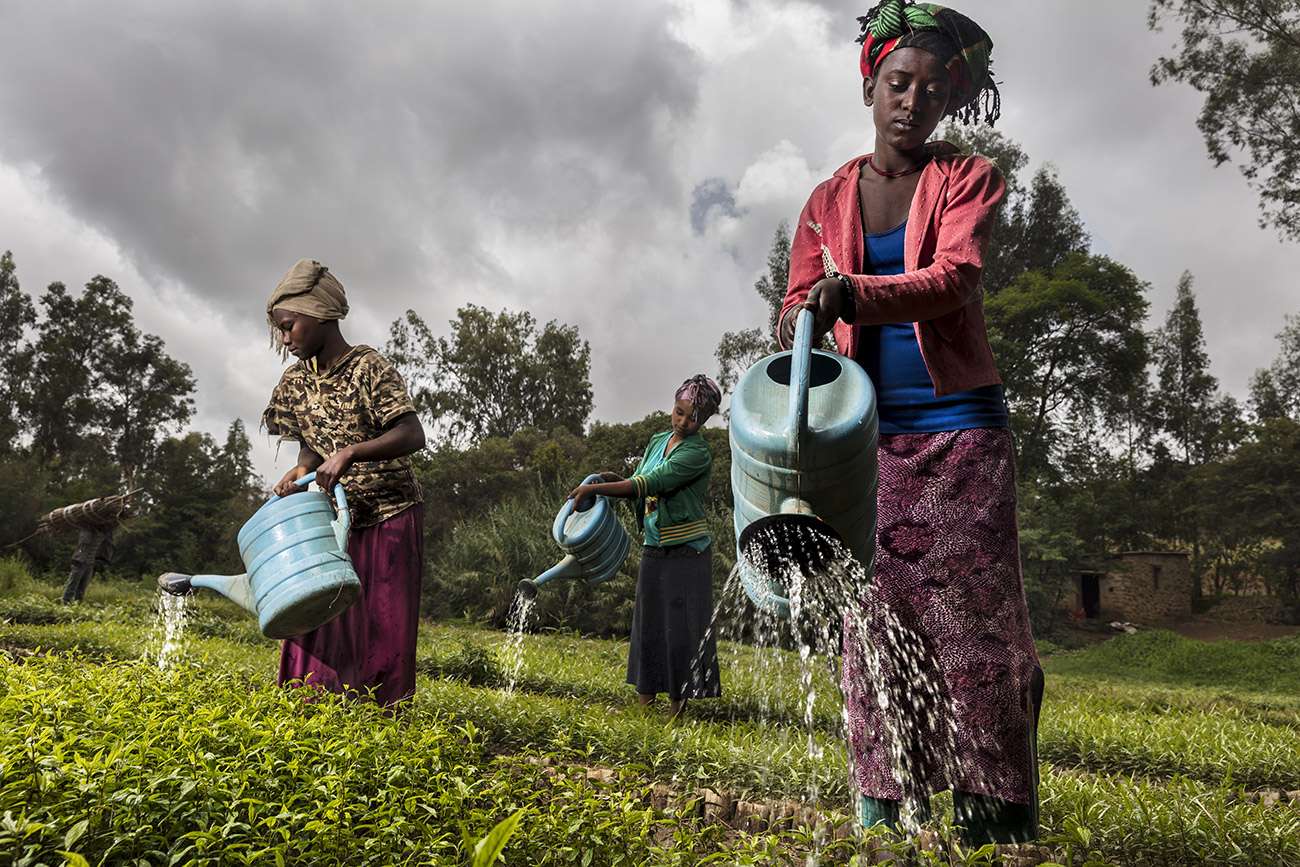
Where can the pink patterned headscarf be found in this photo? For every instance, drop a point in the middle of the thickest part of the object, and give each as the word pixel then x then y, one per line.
pixel 704 395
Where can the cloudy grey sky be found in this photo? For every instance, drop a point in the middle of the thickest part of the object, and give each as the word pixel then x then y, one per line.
pixel 616 165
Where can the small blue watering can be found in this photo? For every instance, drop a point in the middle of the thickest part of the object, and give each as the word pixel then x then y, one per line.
pixel 299 573
pixel 594 542
pixel 803 460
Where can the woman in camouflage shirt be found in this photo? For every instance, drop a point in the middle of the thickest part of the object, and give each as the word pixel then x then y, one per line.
pixel 348 409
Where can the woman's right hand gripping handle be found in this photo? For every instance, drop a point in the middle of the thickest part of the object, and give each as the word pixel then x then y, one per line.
pixel 288 485
pixel 826 301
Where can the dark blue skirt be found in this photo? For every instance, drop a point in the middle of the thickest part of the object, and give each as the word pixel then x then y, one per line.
pixel 672 649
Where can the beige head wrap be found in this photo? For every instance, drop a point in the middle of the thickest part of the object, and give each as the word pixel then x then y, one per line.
pixel 309 288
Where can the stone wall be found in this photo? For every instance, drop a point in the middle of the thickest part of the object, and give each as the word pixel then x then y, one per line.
pixel 1143 587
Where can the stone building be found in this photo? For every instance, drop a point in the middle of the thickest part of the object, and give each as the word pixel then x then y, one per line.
pixel 1136 586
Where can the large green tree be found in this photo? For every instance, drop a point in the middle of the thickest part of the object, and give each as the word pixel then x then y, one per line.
pixel 1275 390
pixel 1037 227
pixel 1254 494
pixel 1068 341
pixel 59 404
pixel 17 315
pixel 99 388
pixel 1201 423
pixel 143 393
pixel 1244 55
pixel 197 496
pixel 496 374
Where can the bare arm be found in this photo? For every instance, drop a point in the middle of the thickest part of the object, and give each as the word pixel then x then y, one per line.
pixel 623 488
pixel 403 437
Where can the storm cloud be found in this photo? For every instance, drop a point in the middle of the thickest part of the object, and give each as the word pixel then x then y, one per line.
pixel 619 166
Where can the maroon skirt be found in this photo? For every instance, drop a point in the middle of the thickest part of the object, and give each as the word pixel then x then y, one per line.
pixel 371 646
pixel 947 574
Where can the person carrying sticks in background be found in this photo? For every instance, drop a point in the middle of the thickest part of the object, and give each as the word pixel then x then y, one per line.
pixel 672 648
pixel 907 226
pixel 349 411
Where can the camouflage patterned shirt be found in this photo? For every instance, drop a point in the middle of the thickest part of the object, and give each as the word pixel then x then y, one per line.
pixel 355 400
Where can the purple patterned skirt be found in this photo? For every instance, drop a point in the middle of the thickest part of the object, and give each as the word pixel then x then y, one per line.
pixel 948 568
pixel 372 644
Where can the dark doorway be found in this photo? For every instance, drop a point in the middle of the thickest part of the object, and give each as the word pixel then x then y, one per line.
pixel 1090 594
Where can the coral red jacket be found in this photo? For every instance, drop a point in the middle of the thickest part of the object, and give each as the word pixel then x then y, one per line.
pixel 952 214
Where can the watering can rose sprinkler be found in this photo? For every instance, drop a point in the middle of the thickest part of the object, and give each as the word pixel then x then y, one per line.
pixel 299 573
pixel 803 467
pixel 593 539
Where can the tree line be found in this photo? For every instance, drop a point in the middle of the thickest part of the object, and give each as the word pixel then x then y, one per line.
pixel 92 406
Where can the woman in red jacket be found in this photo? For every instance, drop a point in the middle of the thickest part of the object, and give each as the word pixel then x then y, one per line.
pixel 906 227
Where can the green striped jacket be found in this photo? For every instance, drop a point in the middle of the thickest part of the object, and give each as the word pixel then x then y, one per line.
pixel 681 484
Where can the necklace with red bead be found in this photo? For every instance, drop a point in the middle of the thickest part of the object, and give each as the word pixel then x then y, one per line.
pixel 898 174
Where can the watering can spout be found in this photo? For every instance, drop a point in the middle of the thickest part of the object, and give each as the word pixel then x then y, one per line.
pixel 236 588
pixel 176 583
pixel 568 567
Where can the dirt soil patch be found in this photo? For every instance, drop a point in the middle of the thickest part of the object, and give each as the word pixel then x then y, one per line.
pixel 1204 629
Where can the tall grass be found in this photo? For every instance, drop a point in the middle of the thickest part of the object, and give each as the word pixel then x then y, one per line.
pixel 12 574
pixel 474 574
pixel 1160 657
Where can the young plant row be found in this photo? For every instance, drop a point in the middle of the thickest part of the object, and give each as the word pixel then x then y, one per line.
pixel 1081 727
pixel 1091 726
pixel 122 763
pixel 1205 747
pixel 1174 822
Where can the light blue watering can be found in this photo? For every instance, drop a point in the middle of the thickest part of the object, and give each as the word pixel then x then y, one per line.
pixel 594 542
pixel 299 573
pixel 803 458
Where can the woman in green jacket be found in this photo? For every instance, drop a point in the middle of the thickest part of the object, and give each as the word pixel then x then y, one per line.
pixel 672 648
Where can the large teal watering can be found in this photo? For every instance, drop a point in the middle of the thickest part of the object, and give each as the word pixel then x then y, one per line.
pixel 299 573
pixel 593 539
pixel 803 457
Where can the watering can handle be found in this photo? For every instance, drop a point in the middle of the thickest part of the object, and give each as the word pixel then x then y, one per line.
pixel 341 503
pixel 800 377
pixel 557 529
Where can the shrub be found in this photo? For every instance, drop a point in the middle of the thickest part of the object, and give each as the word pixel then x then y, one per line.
pixel 12 574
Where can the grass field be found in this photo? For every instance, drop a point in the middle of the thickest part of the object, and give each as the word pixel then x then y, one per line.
pixel 1155 750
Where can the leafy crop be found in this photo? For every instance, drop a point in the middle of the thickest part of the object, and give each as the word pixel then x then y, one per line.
pixel 106 758
pixel 123 763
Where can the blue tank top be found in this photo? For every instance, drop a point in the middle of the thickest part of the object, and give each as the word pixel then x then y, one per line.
pixel 892 359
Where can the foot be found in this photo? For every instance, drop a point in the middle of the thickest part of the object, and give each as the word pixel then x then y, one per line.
pixel 676 709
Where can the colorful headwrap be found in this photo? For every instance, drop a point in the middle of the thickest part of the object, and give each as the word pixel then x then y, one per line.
pixel 959 43
pixel 704 395
pixel 308 288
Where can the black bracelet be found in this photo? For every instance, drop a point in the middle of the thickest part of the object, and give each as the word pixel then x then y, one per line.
pixel 848 302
